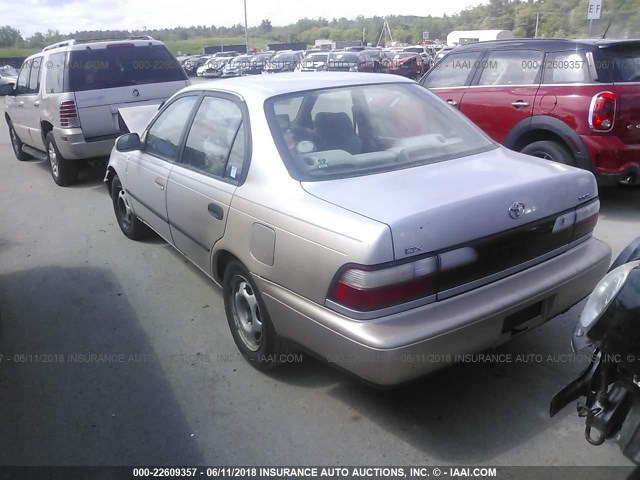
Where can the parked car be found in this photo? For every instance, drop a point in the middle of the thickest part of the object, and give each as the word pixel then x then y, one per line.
pixel 358 217
pixel 257 63
pixel 424 53
pixel 407 64
pixel 313 62
pixel 441 53
pixel 574 102
pixel 283 62
pixel 236 66
pixel 347 61
pixel 8 75
pixel 64 107
pixel 192 64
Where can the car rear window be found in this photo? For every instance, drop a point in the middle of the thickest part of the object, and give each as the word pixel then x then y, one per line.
pixel 365 129
pixel 121 65
pixel 623 62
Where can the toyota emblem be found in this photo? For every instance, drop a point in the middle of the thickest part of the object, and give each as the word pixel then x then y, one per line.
pixel 516 210
pixel 135 92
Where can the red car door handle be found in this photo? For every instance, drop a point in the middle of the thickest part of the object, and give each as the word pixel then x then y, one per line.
pixel 520 103
pixel 453 103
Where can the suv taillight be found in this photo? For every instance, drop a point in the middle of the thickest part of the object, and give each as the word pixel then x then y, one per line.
pixel 69 114
pixel 369 288
pixel 602 111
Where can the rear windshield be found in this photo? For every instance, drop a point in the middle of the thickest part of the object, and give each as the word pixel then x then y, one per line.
pixel 122 65
pixel 623 62
pixel 367 129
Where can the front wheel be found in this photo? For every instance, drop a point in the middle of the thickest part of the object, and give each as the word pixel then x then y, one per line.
pixel 249 320
pixel 130 225
pixel 63 171
pixel 549 151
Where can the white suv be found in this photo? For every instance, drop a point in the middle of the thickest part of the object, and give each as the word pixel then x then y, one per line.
pixel 64 106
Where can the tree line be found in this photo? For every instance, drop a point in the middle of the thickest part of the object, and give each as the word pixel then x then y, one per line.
pixel 526 18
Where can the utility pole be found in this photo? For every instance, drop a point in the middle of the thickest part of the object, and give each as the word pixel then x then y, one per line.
pixel 537 20
pixel 246 29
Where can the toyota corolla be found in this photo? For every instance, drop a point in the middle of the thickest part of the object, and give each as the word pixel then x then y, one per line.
pixel 359 218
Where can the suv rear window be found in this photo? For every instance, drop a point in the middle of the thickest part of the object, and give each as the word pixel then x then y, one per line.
pixel 121 65
pixel 623 62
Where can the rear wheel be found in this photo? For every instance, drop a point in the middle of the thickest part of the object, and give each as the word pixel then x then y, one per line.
pixel 549 151
pixel 130 225
pixel 63 171
pixel 249 320
pixel 16 143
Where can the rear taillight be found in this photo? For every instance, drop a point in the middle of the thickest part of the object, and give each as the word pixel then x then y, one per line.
pixel 368 288
pixel 602 111
pixel 69 114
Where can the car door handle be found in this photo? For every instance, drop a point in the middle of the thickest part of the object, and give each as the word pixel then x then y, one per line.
pixel 159 183
pixel 453 103
pixel 520 103
pixel 36 103
pixel 215 211
pixel 21 104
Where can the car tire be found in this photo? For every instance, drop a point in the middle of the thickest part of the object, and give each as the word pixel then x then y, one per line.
pixel 130 225
pixel 63 171
pixel 249 321
pixel 17 144
pixel 549 151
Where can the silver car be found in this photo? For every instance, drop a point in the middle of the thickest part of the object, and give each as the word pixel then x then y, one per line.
pixel 358 217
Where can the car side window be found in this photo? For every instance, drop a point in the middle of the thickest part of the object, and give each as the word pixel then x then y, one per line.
pixel 511 67
pixel 215 143
pixel 163 138
pixel 34 78
pixel 566 67
pixel 23 78
pixel 54 69
pixel 452 71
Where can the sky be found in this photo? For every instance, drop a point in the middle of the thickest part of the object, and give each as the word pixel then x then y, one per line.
pixel 67 16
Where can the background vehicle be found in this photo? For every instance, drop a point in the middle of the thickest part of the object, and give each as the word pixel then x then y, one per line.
pixel 574 102
pixel 440 54
pixel 609 330
pixel 407 64
pixel 64 107
pixel 191 64
pixel 257 63
pixel 8 75
pixel 284 61
pixel 349 61
pixel 349 232
pixel 236 66
pixel 313 62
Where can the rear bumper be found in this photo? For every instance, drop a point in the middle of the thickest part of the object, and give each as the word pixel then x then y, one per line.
pixel 401 347
pixel 73 146
pixel 612 160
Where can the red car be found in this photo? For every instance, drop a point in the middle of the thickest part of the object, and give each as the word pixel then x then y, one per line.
pixel 573 101
pixel 407 64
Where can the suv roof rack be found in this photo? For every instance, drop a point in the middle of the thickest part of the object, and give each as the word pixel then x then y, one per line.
pixel 73 41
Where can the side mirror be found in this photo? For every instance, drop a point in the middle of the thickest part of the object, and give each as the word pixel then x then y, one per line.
pixel 7 89
pixel 128 142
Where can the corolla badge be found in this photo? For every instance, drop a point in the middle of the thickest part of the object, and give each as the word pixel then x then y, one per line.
pixel 516 210
pixel 135 92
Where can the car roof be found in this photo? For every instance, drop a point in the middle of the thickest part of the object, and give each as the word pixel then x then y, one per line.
pixel 266 86
pixel 544 43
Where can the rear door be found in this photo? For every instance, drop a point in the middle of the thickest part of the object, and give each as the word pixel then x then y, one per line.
pixel 201 186
pixel 450 78
pixel 31 104
pixel 107 77
pixel 504 92
pixel 16 105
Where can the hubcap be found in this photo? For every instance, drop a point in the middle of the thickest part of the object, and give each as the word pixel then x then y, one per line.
pixel 246 313
pixel 124 210
pixel 53 160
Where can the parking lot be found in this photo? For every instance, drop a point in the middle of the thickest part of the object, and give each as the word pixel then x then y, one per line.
pixel 116 352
